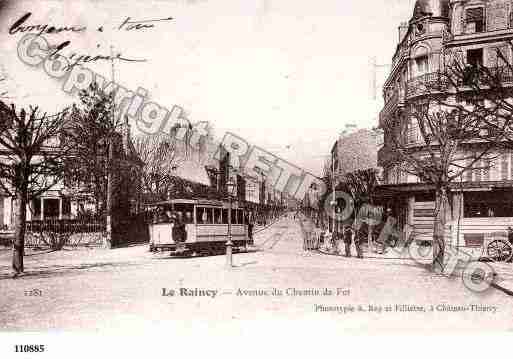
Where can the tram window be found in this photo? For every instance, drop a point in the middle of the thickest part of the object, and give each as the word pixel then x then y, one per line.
pixel 208 216
pixel 186 209
pixel 225 216
pixel 198 214
pixel 240 216
pixel 234 216
pixel 202 215
pixel 217 216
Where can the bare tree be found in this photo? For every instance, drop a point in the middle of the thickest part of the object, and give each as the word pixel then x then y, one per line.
pixel 462 119
pixel 31 162
pixel 94 130
pixel 161 157
pixel 361 185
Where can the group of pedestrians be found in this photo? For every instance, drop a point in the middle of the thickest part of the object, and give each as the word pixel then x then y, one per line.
pixel 350 236
pixel 331 241
pixel 315 238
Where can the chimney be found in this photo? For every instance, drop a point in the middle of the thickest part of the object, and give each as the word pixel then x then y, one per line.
pixel 403 29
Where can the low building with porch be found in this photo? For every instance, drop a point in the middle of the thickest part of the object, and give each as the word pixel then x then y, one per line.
pixel 66 200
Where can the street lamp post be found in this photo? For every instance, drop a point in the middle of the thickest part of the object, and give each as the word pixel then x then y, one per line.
pixel 229 244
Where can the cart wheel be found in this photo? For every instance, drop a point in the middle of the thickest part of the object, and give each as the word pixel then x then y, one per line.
pixel 499 251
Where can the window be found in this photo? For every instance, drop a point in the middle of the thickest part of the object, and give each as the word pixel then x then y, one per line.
pixel 413 131
pixel 204 215
pixel 199 215
pixel 36 207
pixel 421 65
pixel 487 204
pixel 475 57
pixel 218 218
pixel 474 19
pixel 425 197
pixel 66 207
pixel 51 208
pixel 186 211
pixel 240 216
pixel 210 217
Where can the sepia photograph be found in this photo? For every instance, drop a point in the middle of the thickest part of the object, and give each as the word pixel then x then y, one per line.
pixel 185 170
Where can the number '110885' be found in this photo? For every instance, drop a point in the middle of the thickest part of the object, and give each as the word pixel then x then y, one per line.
pixel 29 348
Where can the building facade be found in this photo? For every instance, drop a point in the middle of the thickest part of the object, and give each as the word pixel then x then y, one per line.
pixel 355 149
pixel 438 31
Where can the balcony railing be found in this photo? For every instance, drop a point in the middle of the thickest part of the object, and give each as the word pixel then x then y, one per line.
pixel 436 82
pixel 425 84
pixel 500 74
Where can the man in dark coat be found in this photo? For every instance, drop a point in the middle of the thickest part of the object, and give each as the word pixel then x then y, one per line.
pixel 357 244
pixel 348 236
pixel 250 222
pixel 179 232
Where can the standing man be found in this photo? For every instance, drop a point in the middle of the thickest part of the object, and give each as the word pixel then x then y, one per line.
pixel 357 244
pixel 179 232
pixel 348 236
pixel 250 222
pixel 335 239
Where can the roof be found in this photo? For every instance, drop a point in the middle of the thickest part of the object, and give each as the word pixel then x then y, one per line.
pixel 198 202
pixel 395 189
pixel 188 201
pixel 436 8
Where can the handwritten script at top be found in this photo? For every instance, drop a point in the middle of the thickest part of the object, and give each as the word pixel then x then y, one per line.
pixel 21 26
pixel 128 24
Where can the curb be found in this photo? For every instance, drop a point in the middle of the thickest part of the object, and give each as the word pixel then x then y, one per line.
pixel 365 257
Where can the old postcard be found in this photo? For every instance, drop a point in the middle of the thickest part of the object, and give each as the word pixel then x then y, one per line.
pixel 324 166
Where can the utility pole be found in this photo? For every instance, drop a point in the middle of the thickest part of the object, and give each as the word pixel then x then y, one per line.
pixel 110 175
pixel 374 82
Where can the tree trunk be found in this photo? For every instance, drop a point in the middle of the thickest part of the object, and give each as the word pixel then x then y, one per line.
pixel 20 209
pixel 441 210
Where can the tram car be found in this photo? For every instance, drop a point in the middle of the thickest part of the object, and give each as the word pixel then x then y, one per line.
pixel 206 224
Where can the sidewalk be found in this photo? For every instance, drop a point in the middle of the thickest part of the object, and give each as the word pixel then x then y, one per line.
pixel 503 271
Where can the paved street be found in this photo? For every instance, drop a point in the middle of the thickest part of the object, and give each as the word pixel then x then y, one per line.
pixel 122 290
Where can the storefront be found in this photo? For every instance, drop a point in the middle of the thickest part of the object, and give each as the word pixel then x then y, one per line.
pixel 478 211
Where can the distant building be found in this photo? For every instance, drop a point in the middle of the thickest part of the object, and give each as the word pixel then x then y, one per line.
pixel 355 149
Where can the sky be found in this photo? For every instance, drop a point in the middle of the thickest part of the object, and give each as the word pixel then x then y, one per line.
pixel 286 75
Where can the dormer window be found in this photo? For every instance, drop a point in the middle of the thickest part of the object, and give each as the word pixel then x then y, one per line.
pixel 474 20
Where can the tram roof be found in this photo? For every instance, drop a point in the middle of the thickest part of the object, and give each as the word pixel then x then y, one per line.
pixel 205 202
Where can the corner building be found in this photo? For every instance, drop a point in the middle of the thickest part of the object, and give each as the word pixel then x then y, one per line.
pixel 482 198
